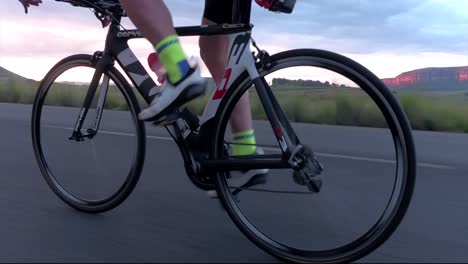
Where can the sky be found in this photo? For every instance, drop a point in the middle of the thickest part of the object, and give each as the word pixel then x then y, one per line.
pixel 388 37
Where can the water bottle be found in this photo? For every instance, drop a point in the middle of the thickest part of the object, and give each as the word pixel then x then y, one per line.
pixel 157 67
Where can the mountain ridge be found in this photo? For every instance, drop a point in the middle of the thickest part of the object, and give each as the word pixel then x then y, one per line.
pixel 7 75
pixel 431 78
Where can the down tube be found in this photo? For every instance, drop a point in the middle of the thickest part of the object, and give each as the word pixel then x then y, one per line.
pixel 134 70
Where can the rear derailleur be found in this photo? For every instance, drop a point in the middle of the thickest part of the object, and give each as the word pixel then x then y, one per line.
pixel 307 169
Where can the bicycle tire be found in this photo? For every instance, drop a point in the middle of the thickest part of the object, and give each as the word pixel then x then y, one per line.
pixel 133 176
pixel 399 126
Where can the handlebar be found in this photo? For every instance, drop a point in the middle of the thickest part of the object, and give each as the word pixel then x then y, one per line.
pixel 104 10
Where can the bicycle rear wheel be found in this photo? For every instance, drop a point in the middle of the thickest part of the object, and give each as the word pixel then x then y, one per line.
pixel 357 130
pixel 93 173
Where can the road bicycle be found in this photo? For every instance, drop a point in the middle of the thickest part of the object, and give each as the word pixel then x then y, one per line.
pixel 206 149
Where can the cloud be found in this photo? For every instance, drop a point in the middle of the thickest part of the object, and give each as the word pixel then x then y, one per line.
pixel 363 26
pixel 358 26
pixel 373 31
pixel 48 38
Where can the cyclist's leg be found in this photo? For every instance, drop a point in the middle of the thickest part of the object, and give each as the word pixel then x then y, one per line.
pixel 213 50
pixel 153 19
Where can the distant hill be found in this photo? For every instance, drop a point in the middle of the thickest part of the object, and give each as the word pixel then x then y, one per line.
pixel 427 79
pixel 8 75
pixel 439 79
pixel 9 79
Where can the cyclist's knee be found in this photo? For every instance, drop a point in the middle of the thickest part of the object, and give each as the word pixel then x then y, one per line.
pixel 205 41
pixel 212 50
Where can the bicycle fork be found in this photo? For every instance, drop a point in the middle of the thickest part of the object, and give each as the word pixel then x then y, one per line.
pixel 102 63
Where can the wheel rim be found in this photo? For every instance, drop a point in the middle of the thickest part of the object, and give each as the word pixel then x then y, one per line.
pixel 392 208
pixel 47 172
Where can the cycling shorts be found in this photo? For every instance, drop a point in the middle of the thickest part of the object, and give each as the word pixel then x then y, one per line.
pixel 218 11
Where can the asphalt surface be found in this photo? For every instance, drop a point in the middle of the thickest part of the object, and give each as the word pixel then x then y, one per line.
pixel 166 219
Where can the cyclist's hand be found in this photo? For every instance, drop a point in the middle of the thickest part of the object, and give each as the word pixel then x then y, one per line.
pixel 27 3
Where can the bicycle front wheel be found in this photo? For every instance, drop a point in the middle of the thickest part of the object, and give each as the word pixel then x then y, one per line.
pixel 358 132
pixel 96 169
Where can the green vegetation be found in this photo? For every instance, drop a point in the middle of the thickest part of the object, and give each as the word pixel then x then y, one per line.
pixel 308 102
pixel 23 91
pixel 339 105
pixel 436 113
pixel 17 91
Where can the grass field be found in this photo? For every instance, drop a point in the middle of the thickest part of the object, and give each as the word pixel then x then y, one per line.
pixel 433 111
pixel 353 107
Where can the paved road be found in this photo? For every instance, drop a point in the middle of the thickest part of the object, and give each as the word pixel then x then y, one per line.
pixel 167 220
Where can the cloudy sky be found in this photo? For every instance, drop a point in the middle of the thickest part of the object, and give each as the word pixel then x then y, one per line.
pixel 388 37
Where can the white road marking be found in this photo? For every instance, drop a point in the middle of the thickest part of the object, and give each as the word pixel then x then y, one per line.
pixel 320 154
pixel 114 133
pixel 377 160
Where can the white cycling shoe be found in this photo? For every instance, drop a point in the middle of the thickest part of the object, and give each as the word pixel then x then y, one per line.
pixel 172 96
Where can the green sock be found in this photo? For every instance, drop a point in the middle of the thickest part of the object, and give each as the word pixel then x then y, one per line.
pixel 243 137
pixel 173 58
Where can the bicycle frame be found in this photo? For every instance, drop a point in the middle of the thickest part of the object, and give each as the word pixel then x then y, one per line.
pixel 240 59
pixel 203 148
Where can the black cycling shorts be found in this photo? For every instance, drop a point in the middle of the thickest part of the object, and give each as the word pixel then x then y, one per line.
pixel 218 11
